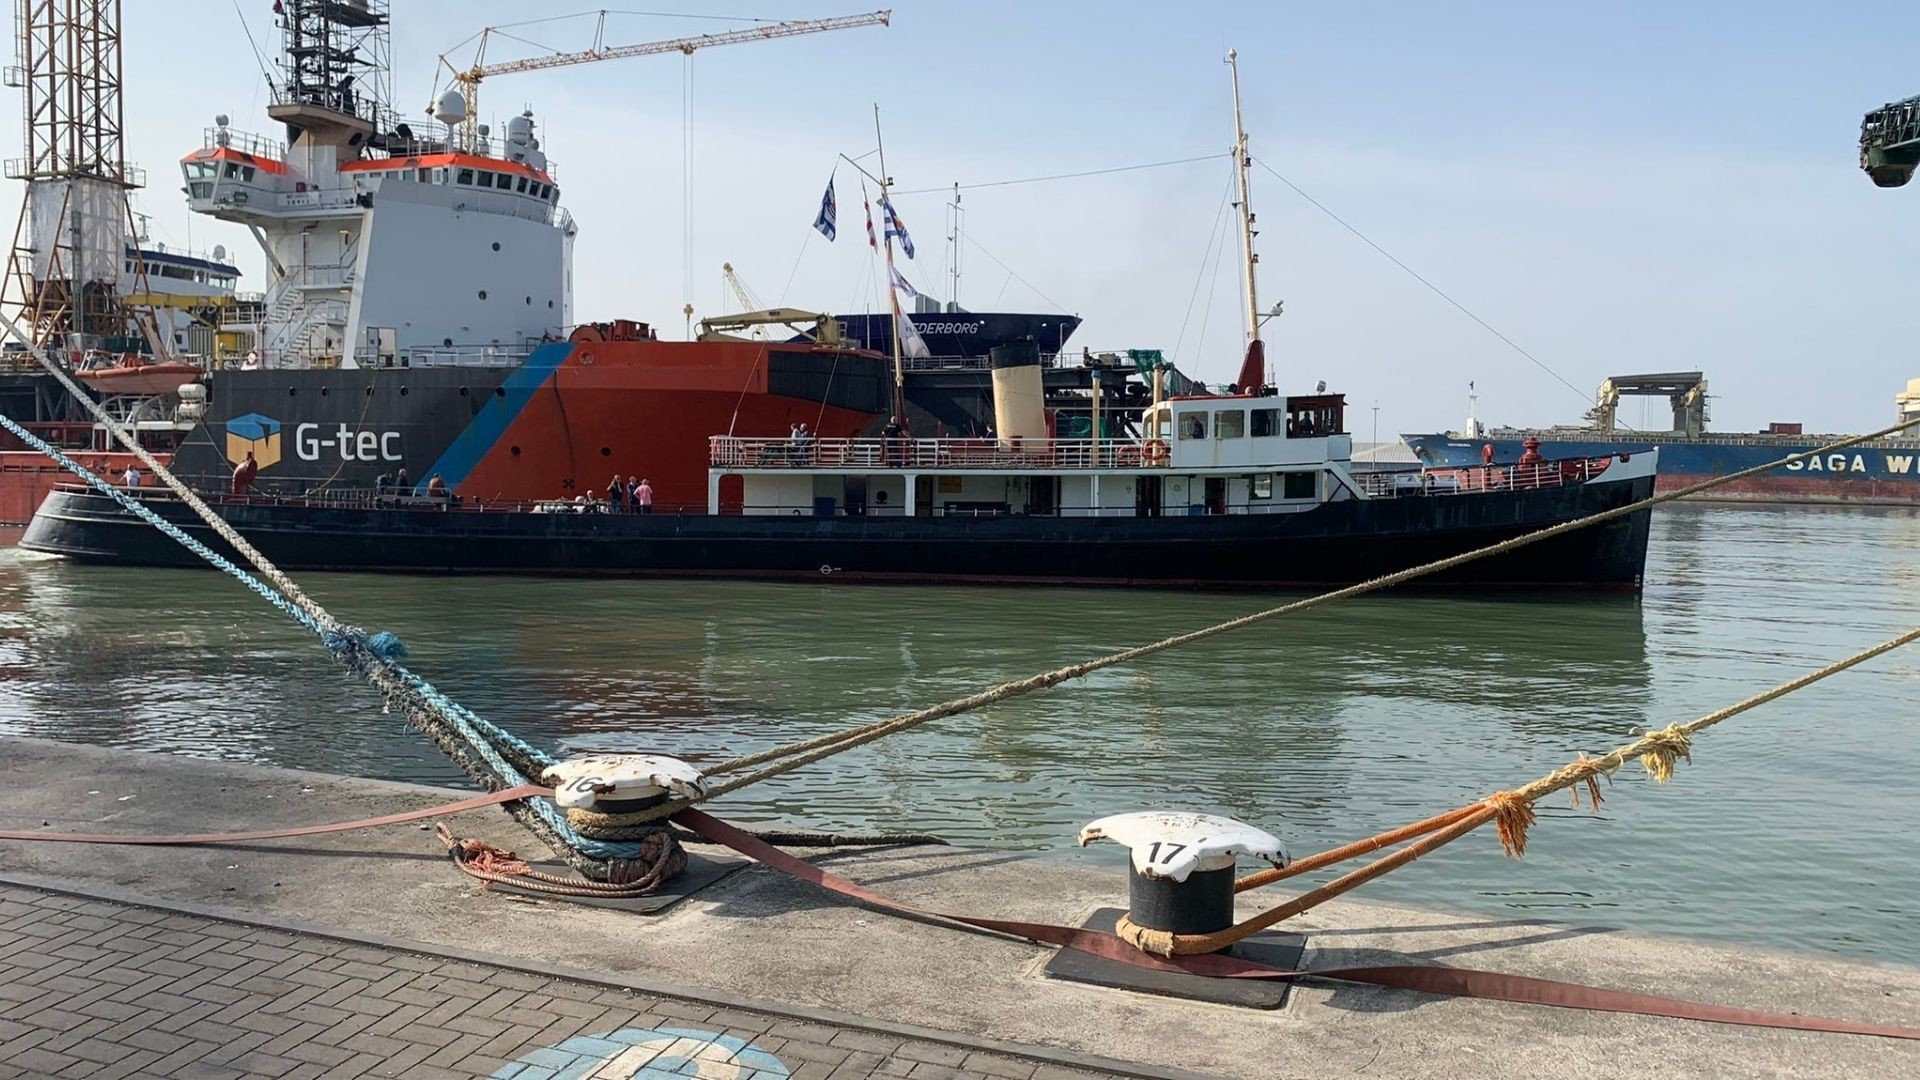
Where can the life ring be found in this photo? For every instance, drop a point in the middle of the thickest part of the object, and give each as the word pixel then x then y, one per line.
pixel 1155 452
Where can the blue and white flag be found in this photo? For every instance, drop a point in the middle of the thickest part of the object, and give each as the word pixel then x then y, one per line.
pixel 895 227
pixel 902 283
pixel 827 212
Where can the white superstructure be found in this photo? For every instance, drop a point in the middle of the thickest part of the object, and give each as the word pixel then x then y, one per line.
pixel 384 238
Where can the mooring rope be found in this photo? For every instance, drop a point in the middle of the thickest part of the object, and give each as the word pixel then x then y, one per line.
pixel 456 731
pixel 396 683
pixel 794 755
pixel 1512 811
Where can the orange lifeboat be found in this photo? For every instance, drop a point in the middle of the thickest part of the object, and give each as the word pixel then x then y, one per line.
pixel 133 376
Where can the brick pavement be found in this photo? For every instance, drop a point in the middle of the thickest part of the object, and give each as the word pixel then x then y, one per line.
pixel 101 990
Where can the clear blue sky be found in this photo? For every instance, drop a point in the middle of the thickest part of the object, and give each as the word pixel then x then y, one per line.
pixel 1618 188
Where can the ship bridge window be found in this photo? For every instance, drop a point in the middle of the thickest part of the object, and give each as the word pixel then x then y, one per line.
pixel 465 177
pixel 1266 423
pixel 1193 425
pixel 520 185
pixel 232 170
pixel 246 173
pixel 1229 424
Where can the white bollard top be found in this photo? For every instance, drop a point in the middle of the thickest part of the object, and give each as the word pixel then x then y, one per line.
pixel 1173 844
pixel 580 782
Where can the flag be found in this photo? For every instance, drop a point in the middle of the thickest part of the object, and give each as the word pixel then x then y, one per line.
pixel 895 227
pixel 912 345
pixel 902 283
pixel 827 212
pixel 868 207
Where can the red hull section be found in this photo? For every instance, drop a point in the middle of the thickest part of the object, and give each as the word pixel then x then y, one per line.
pixel 646 408
pixel 26 476
pixel 1824 490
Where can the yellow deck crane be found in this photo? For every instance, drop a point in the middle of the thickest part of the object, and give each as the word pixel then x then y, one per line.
pixel 460 105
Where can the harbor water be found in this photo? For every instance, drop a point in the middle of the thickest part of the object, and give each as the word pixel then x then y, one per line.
pixel 1788 830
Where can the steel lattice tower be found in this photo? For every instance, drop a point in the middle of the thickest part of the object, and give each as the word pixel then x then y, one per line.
pixel 71 242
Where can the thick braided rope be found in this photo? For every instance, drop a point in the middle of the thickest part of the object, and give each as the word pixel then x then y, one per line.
pixel 811 750
pixel 420 701
pixel 1511 811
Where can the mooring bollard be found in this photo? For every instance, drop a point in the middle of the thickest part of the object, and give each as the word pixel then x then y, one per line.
pixel 622 783
pixel 1181 878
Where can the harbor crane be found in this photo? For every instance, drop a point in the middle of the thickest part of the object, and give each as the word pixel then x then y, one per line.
pixel 459 107
pixel 1890 142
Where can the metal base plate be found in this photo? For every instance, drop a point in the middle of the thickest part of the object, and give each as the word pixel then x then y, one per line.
pixel 1274 948
pixel 701 871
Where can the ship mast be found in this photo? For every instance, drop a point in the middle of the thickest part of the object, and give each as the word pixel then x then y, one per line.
pixel 1242 160
pixel 893 294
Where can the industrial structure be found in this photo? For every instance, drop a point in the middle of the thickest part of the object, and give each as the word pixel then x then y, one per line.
pixel 70 250
pixel 1890 142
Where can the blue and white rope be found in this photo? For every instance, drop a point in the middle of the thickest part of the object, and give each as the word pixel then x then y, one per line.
pixel 365 655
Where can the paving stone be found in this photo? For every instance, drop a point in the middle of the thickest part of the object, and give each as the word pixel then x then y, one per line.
pixel 90 989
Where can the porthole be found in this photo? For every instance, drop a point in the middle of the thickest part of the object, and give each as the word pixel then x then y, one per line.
pixel 606 451
pixel 323 391
pixel 514 450
pixel 499 391
pixel 483 294
pixel 293 391
pixel 496 245
pixel 403 391
pixel 369 389
pixel 463 391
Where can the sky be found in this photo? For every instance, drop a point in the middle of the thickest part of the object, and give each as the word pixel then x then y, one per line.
pixel 1615 188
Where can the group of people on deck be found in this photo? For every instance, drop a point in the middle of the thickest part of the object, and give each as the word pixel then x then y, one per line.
pixel 633 495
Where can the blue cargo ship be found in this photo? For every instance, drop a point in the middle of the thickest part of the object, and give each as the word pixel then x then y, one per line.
pixel 1882 472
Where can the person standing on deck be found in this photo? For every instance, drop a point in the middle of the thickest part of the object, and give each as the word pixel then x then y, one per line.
pixel 244 473
pixel 643 497
pixel 133 476
pixel 402 483
pixel 616 493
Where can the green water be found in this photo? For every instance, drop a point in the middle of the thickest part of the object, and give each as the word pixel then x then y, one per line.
pixel 1794 827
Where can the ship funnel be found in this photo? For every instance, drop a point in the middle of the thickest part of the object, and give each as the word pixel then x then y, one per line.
pixel 1019 396
pixel 1253 370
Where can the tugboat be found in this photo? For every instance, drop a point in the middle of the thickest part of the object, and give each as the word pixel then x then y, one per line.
pixel 1248 488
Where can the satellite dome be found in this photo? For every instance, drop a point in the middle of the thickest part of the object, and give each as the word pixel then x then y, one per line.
pixel 451 108
pixel 219 253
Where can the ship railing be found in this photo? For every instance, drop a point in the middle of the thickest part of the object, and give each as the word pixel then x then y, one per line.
pixel 446 356
pixel 1099 361
pixel 247 142
pixel 1520 476
pixel 732 452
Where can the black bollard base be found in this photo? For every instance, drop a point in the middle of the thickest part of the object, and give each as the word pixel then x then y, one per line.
pixel 701 871
pixel 1273 947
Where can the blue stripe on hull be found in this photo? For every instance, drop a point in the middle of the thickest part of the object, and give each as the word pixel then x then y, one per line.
pixel 467 450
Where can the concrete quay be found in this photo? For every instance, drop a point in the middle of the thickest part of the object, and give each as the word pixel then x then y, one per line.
pixel 775 966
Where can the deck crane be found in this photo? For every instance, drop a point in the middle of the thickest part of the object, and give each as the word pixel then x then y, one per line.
pixel 459 107
pixel 1890 142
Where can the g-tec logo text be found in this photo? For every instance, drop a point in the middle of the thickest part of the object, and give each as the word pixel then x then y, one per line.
pixel 311 441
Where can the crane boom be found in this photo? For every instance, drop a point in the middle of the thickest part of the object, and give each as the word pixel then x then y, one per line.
pixel 686 45
pixel 469 78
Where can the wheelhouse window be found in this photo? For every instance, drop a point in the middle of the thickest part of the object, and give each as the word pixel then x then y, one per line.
pixel 520 185
pixel 1230 424
pixel 1266 423
pixel 465 177
pixel 1260 486
pixel 1193 425
pixel 1298 485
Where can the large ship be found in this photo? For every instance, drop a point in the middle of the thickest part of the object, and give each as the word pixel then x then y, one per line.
pixel 419 316
pixel 1880 472
pixel 1243 488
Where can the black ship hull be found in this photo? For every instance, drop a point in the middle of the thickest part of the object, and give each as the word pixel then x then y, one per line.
pixel 1335 543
